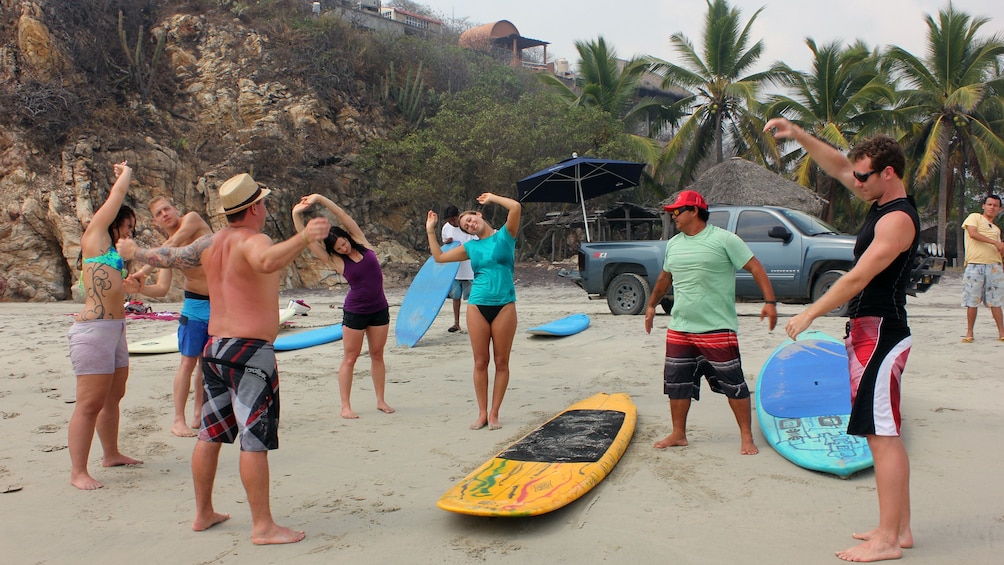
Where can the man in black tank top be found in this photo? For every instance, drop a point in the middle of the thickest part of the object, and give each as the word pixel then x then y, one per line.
pixel 878 337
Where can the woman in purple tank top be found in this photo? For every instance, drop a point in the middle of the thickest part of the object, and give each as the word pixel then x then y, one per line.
pixel 366 314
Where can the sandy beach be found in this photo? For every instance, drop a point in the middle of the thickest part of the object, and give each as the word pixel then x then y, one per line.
pixel 365 490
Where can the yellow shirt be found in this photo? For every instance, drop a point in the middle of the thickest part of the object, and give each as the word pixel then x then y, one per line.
pixel 978 252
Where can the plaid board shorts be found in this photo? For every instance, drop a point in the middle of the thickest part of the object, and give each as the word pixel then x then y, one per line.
pixel 241 381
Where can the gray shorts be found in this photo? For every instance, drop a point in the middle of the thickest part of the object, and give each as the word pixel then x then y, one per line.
pixel 98 347
pixel 460 289
pixel 983 283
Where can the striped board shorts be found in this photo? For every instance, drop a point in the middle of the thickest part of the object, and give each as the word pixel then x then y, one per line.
pixel 712 355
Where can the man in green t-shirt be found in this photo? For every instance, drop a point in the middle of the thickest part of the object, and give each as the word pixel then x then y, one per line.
pixel 701 263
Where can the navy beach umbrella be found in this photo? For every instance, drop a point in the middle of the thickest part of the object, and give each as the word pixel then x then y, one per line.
pixel 577 180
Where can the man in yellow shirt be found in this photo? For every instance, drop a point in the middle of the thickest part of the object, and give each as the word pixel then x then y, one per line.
pixel 983 280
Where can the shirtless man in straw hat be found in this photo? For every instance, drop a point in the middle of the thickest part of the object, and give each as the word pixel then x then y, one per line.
pixel 242 268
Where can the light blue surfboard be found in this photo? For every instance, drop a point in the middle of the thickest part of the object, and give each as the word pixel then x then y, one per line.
pixel 308 338
pixel 424 298
pixel 569 325
pixel 803 403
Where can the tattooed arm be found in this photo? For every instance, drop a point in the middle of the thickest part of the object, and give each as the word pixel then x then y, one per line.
pixel 166 257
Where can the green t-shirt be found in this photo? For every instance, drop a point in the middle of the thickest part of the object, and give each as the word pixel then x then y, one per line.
pixel 704 279
pixel 493 261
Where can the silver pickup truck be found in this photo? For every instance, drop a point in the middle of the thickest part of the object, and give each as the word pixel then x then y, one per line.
pixel 803 257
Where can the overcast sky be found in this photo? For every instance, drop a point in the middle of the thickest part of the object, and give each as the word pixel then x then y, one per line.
pixel 643 27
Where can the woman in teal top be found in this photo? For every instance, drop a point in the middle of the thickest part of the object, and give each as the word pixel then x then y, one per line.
pixel 491 309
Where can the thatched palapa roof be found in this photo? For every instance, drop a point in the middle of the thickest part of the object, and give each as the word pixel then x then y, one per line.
pixel 737 181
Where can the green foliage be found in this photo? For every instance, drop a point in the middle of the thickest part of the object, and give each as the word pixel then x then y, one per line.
pixel 844 97
pixel 724 101
pixel 479 142
pixel 951 103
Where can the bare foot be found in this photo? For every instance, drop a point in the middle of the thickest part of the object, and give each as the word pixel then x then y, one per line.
pixel 182 430
pixel 277 534
pixel 201 524
pixel 385 408
pixel 85 482
pixel 672 440
pixel 480 423
pixel 348 414
pixel 871 550
pixel 748 447
pixel 196 424
pixel 493 424
pixel 905 538
pixel 119 460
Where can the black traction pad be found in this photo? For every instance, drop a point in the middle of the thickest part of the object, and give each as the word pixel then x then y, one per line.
pixel 576 436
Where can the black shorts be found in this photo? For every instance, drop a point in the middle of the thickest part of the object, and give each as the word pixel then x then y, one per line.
pixel 355 321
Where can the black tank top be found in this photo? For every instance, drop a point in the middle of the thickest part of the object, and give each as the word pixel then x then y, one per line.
pixel 885 295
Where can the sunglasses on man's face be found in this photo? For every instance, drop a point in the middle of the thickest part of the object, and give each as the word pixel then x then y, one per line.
pixel 679 211
pixel 863 177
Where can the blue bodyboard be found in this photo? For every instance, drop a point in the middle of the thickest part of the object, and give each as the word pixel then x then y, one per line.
pixel 803 403
pixel 569 325
pixel 424 299
pixel 309 338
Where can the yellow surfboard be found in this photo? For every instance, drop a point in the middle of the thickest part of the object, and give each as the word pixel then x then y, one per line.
pixel 552 465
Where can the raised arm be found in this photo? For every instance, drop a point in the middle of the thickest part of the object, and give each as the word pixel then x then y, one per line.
pixel 458 253
pixel 829 158
pixel 343 218
pixel 191 225
pixel 514 208
pixel 185 257
pixel 265 257
pixel 106 213
pixel 316 247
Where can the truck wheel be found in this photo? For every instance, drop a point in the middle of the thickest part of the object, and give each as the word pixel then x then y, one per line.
pixel 667 305
pixel 627 294
pixel 823 284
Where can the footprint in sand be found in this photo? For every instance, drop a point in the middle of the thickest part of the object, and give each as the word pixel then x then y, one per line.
pixel 46 429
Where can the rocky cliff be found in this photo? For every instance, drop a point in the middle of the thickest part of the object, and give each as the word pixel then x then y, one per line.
pixel 232 110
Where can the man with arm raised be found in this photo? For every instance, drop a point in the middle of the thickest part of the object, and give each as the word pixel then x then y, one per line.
pixel 241 379
pixel 878 337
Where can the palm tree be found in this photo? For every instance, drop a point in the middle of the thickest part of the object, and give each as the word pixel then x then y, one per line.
pixel 952 93
pixel 613 86
pixel 723 96
pixel 844 96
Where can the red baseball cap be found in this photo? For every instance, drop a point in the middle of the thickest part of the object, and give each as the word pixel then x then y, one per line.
pixel 687 198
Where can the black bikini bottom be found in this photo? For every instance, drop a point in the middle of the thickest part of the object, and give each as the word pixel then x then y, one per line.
pixel 490 312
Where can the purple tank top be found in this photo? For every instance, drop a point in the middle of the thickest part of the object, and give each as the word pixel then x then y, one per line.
pixel 365 285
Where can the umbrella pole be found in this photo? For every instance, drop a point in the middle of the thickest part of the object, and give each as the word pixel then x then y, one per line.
pixel 585 219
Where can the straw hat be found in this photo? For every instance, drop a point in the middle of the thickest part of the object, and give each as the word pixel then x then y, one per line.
pixel 240 192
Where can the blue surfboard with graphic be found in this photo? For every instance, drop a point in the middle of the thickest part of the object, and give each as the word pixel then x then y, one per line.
pixel 803 402
pixel 424 299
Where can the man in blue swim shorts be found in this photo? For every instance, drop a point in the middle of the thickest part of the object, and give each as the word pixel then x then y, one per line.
pixel 193 326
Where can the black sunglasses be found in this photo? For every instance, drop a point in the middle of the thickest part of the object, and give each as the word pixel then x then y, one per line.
pixel 676 212
pixel 863 177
